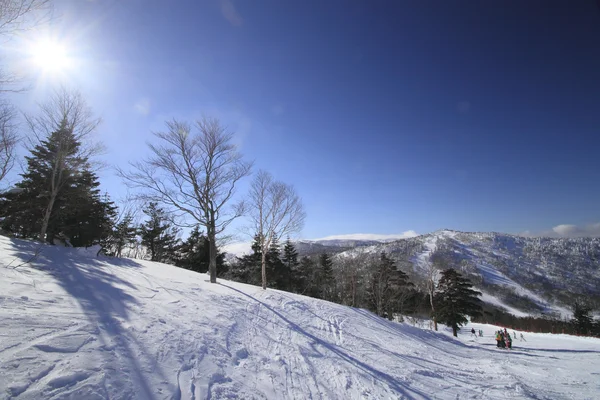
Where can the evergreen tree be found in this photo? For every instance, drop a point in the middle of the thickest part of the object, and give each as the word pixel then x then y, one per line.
pixel 582 321
pixel 247 269
pixel 158 235
pixel 291 266
pixel 124 234
pixel 93 220
pixel 388 287
pixel 325 277
pixel 58 196
pixel 276 269
pixel 305 279
pixel 455 299
pixel 193 254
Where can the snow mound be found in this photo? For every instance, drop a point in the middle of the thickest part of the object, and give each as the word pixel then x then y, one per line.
pixel 74 326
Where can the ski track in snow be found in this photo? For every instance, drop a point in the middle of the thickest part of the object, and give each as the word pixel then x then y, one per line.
pixel 78 327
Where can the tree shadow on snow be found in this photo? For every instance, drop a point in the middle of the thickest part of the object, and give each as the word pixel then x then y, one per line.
pixel 392 382
pixel 99 292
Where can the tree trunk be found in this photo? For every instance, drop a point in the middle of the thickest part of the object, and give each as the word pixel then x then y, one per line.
pixel 263 264
pixel 46 219
pixel 435 327
pixel 212 249
pixel 212 252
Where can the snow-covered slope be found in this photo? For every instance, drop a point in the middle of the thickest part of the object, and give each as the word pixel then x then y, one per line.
pixel 78 327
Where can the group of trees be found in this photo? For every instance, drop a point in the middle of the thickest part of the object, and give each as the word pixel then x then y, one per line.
pixel 285 269
pixel 189 180
pixel 375 283
pixel 58 196
pixel 158 238
pixel 194 174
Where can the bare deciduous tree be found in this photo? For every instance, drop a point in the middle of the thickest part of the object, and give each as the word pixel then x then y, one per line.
pixel 195 175
pixel 351 275
pixel 431 286
pixel 9 139
pixel 68 112
pixel 275 211
pixel 67 107
pixel 434 263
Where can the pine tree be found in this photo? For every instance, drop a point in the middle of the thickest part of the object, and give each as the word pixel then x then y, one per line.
pixel 247 269
pixel 193 254
pixel 291 264
pixel 58 196
pixel 306 280
pixel 326 278
pixel 388 287
pixel 582 321
pixel 124 234
pixel 158 235
pixel 90 221
pixel 276 269
pixel 455 299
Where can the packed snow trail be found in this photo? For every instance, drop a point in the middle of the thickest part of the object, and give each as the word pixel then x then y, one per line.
pixel 74 326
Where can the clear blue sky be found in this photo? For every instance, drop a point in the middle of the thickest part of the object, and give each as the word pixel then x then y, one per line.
pixel 386 116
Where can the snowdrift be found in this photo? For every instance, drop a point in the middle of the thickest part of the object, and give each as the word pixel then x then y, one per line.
pixel 73 326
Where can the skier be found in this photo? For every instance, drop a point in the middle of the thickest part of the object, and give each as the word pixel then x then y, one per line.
pixel 473 332
pixel 522 338
pixel 508 341
pixel 498 339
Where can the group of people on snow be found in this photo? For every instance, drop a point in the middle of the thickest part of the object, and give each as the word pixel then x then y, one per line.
pixel 503 339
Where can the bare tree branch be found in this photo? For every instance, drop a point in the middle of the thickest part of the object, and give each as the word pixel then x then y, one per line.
pixel 194 174
pixel 17 16
pixel 20 15
pixel 9 139
pixel 11 82
pixel 275 210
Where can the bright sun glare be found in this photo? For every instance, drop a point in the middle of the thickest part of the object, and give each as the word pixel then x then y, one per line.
pixel 50 55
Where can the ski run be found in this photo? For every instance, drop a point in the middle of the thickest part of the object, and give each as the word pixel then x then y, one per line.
pixel 77 326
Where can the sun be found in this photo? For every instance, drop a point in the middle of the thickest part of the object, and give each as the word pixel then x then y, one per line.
pixel 50 56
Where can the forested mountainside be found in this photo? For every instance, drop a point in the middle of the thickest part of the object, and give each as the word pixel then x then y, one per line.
pixel 532 274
